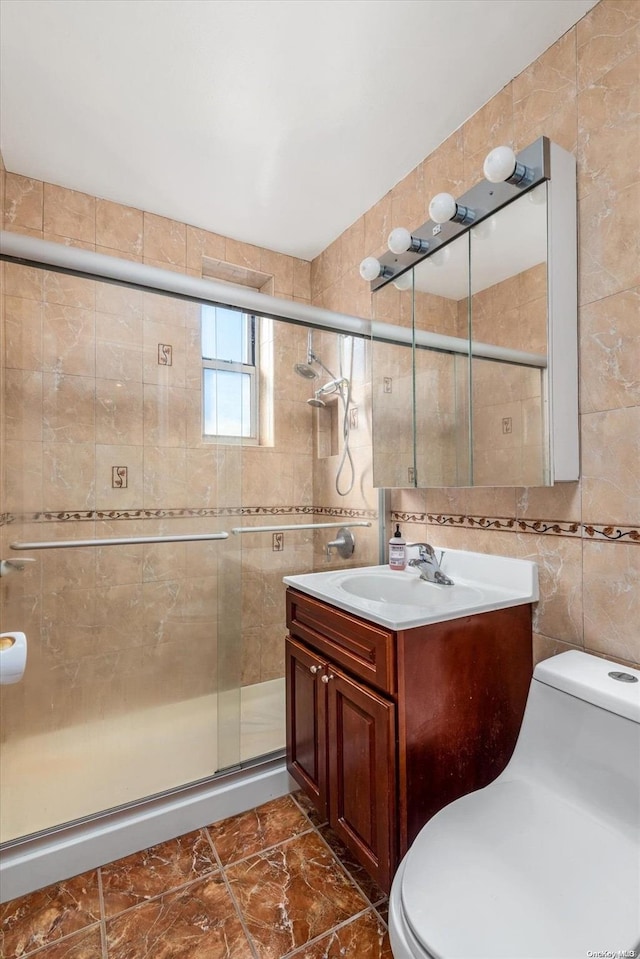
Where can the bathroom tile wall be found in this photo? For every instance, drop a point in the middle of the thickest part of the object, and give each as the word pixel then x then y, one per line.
pixel 583 93
pixel 102 438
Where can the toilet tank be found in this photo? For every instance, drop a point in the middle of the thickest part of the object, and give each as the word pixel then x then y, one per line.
pixel 580 737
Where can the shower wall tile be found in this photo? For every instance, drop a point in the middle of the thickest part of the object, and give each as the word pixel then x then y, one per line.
pixel 23 332
pixel 117 566
pixel 606 35
pixel 23 405
pixel 242 254
pixel 120 301
pixel 164 240
pixel 118 406
pixel 301 279
pixel 119 228
pixel 107 496
pixel 68 340
pixel 155 333
pixel 68 408
pixel 69 471
pixel 23 202
pixel 280 266
pixel 68 213
pixel 66 290
pixel 23 281
pixel 201 243
pixel 165 416
pixel 609 347
pixel 164 477
pixel 22 479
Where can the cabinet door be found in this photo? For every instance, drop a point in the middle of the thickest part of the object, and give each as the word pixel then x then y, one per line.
pixel 362 773
pixel 307 723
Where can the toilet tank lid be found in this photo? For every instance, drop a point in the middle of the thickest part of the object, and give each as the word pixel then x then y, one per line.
pixel 589 678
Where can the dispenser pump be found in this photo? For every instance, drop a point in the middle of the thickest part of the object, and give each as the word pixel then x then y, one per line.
pixel 397 550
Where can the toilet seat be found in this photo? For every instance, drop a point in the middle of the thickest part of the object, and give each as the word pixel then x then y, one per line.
pixel 461 891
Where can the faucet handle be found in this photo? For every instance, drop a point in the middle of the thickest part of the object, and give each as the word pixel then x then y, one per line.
pixel 425 550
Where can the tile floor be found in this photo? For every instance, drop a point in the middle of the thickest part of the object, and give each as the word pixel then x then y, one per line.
pixel 265 884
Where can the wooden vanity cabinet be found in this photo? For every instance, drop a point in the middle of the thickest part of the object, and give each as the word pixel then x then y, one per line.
pixel 384 728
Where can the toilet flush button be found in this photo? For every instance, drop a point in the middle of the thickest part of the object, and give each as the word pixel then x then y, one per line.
pixel 623 677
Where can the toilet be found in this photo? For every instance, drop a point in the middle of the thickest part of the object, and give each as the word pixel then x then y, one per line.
pixel 544 863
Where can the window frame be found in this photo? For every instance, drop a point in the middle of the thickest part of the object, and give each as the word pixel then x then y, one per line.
pixel 231 366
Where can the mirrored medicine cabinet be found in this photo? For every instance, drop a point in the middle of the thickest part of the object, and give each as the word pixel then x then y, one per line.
pixel 474 343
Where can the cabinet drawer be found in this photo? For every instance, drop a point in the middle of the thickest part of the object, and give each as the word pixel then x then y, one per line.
pixel 362 648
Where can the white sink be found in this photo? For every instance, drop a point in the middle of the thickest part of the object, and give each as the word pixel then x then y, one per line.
pixel 400 600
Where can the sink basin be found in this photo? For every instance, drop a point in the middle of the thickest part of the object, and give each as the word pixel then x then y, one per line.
pixel 406 590
pixel 401 600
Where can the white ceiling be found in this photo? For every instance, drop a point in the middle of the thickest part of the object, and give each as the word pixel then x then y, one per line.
pixel 276 122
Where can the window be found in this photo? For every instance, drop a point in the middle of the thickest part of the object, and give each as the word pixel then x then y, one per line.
pixel 229 374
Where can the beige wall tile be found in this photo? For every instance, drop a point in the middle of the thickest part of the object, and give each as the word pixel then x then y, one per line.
pixel 609 127
pixel 609 243
pixel 545 648
pixel 164 477
pixel 22 479
pixel 24 282
pixel 165 416
pixel 202 243
pixel 612 600
pixel 68 340
pixel 69 471
pixel 23 405
pixel 23 202
pixel 302 279
pixel 489 127
pixel 68 408
pixel 606 35
pixel 119 413
pixel 560 502
pixel 22 333
pixel 610 475
pixel 544 93
pixel 63 289
pixel 242 254
pixel 164 240
pixel 609 350
pixel 119 227
pixel 69 214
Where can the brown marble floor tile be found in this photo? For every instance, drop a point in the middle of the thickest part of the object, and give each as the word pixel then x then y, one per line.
pixel 47 915
pixel 364 938
pixel 248 833
pixel 308 808
pixel 197 922
pixel 86 944
pixel 369 886
pixel 152 872
pixel 292 894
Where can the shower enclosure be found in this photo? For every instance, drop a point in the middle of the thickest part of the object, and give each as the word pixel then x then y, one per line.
pixel 162 470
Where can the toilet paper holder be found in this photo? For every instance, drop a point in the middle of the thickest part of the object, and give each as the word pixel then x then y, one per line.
pixel 13 657
pixel 9 566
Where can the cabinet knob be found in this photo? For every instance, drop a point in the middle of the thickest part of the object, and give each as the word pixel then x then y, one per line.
pixel 314 669
pixel 327 677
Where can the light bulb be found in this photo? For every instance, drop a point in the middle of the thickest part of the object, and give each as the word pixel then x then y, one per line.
pixel 499 165
pixel 399 240
pixel 442 208
pixel 370 268
pixel 404 282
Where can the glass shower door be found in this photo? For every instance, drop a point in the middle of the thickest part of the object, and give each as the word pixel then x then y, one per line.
pixel 102 439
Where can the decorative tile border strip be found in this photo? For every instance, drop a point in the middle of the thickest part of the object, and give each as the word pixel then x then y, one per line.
pixel 79 516
pixel 512 525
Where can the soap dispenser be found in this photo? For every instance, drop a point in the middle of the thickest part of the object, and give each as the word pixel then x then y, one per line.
pixel 397 550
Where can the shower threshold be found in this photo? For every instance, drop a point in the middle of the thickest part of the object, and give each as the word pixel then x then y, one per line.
pixel 68 774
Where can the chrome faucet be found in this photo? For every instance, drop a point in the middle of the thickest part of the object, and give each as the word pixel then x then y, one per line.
pixel 429 565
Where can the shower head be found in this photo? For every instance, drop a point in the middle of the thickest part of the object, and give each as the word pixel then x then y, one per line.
pixel 316 402
pixel 333 386
pixel 306 371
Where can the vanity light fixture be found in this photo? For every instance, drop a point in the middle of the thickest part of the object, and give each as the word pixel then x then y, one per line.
pixel 443 208
pixel 371 268
pixel 404 282
pixel 502 166
pixel 401 241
